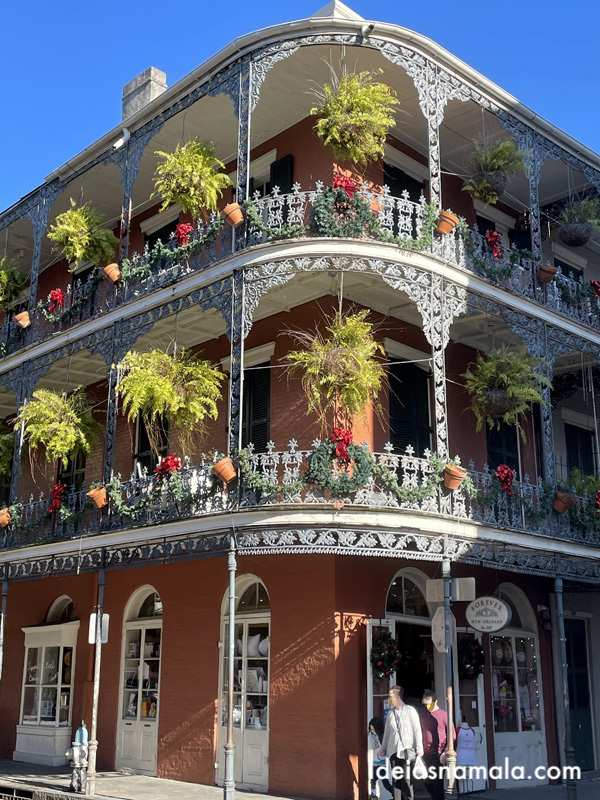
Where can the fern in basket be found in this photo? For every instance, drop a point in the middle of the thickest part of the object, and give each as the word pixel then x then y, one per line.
pixel 79 235
pixel 12 282
pixel 503 385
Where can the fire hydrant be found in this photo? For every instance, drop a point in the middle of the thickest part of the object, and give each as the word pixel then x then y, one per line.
pixel 78 755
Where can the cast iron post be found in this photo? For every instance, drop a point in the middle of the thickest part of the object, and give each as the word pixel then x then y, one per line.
pixel 569 751
pixel 450 752
pixel 90 781
pixel 229 784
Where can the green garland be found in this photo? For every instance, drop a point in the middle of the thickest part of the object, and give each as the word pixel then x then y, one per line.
pixel 584 291
pixel 66 516
pixel 67 313
pixel 489 498
pixel 410 494
pixel 254 222
pixel 471 659
pixel 384 656
pixel 257 481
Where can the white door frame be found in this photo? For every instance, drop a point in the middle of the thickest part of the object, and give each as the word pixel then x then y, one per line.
pixel 479 784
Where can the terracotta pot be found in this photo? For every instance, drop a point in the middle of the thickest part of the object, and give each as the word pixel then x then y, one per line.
pixel 446 222
pixel 547 273
pixel 224 470
pixel 233 214
pixel 98 496
pixel 112 273
pixel 453 476
pixel 22 319
pixel 4 517
pixel 562 502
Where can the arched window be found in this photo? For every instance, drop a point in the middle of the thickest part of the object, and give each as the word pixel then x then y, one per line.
pixel 405 597
pixel 61 610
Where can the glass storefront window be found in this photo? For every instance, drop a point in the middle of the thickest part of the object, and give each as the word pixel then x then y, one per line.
pixel 515 684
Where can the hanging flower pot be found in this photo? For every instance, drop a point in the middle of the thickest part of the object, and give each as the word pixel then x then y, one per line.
pixel 575 234
pixel 112 273
pixel 22 319
pixel 4 517
pixel 453 476
pixel 446 222
pixel 224 470
pixel 562 502
pixel 547 273
pixel 98 496
pixel 233 214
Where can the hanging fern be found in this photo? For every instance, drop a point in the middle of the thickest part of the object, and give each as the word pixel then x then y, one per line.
pixel 503 385
pixel 79 235
pixel 490 167
pixel 356 114
pixel 7 449
pixel 190 176
pixel 181 389
pixel 340 372
pixel 60 423
pixel 12 282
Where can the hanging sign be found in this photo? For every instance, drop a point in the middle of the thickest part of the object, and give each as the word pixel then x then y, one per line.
pixel 488 614
pixel 103 632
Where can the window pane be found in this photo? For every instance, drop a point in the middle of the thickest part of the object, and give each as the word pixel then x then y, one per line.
pixel 30 705
pixel 506 717
pixel 66 667
pixel 48 706
pixel 50 674
pixel 65 705
pixel 32 674
pixel 529 690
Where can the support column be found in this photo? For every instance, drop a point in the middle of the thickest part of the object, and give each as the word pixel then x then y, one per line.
pixel 438 361
pixel 236 375
pixel 39 219
pixel 451 789
pixel 128 159
pixel 533 166
pixel 243 157
pixel 569 751
pixel 229 783
pixel 90 781
pixel 112 403
pixel 547 443
pixel 3 616
pixel 433 115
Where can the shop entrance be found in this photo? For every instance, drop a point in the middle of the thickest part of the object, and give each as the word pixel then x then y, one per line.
pixel 582 734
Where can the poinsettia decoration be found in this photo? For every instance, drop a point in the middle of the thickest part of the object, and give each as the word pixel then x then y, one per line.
pixel 596 288
pixel 506 476
pixel 183 232
pixel 347 184
pixel 56 494
pixel 598 500
pixel 493 239
pixel 168 465
pixel 341 438
pixel 385 656
pixel 57 299
pixel 471 659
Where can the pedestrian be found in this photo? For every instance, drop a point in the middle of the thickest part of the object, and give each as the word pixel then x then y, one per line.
pixel 402 741
pixel 434 721
pixel 374 737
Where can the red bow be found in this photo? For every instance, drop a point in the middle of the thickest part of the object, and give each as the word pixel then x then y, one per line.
pixel 56 494
pixel 493 239
pixel 56 298
pixel 167 465
pixel 182 232
pixel 341 438
pixel 596 288
pixel 506 476
pixel 598 499
pixel 347 184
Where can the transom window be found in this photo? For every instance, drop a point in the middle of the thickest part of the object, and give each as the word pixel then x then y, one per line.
pixel 255 598
pixel 405 597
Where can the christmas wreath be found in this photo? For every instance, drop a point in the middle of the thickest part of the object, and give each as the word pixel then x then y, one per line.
pixel 341 483
pixel 471 659
pixel 384 656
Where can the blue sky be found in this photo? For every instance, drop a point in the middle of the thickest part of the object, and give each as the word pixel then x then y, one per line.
pixel 65 62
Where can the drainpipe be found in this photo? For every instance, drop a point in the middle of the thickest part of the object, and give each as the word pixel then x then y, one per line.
pixel 229 784
pixel 451 790
pixel 90 781
pixel 3 620
pixel 569 751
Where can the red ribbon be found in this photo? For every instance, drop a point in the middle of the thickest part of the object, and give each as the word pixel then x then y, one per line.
pixel 347 184
pixel 506 476
pixel 56 298
pixel 598 499
pixel 493 239
pixel 56 494
pixel 167 465
pixel 341 438
pixel 596 288
pixel 182 232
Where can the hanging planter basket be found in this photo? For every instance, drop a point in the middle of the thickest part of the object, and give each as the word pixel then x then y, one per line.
pixel 446 222
pixel 547 273
pixel 575 234
pixel 22 319
pixel 233 214
pixel 98 496
pixel 112 273
pixel 498 402
pixel 496 180
pixel 224 470
pixel 562 502
pixel 4 517
pixel 453 476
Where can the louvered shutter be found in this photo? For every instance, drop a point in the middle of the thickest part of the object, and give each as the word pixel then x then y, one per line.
pixel 409 408
pixel 397 181
pixel 503 446
pixel 281 174
pixel 580 449
pixel 256 416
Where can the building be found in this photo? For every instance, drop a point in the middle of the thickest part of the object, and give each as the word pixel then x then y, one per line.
pixel 318 577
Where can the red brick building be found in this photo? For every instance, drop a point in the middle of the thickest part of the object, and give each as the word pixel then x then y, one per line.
pixel 318 575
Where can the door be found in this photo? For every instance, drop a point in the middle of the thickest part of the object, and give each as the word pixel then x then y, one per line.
pixel 377 698
pixel 471 710
pixel 250 704
pixel 579 693
pixel 137 729
pixel 517 700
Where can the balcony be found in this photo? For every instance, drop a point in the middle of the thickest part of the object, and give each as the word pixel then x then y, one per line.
pixel 278 217
pixel 274 479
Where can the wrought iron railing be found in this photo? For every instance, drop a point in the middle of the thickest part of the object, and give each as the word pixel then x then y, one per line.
pixel 192 492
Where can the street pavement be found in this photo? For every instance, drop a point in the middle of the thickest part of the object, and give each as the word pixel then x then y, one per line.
pixel 46 783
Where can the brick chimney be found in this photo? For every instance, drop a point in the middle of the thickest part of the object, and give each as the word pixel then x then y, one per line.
pixel 142 90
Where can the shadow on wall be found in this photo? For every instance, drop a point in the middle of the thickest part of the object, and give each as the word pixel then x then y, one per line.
pixel 302 659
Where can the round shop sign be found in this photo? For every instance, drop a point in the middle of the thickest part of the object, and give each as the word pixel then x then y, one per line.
pixel 488 614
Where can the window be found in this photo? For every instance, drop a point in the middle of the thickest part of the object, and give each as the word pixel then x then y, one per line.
pixel 256 423
pixel 580 449
pixel 568 270
pixel 409 408
pixel 163 233
pixel 141 667
pixel 397 180
pixel 278 173
pixel 503 446
pixel 405 597
pixel 145 457
pixel 74 473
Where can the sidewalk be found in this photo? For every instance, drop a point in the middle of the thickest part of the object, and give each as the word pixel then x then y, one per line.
pixel 39 782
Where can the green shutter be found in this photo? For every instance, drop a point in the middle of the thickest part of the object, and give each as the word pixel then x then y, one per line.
pixel 409 408
pixel 256 416
pixel 281 174
pixel 503 446
pixel 580 449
